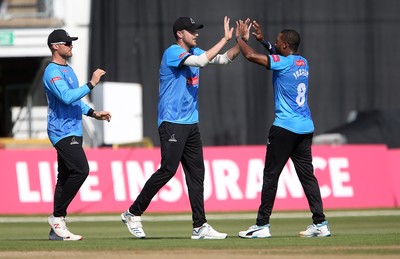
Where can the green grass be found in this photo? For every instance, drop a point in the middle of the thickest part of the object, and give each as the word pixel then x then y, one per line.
pixel 378 235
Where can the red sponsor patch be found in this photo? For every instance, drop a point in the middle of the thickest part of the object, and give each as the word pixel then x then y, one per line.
pixel 183 54
pixel 276 58
pixel 300 63
pixel 55 79
pixel 192 81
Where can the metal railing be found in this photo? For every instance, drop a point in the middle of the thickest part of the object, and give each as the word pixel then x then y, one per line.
pixel 29 101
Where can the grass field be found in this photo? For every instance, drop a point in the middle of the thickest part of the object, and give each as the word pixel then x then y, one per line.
pixel 358 234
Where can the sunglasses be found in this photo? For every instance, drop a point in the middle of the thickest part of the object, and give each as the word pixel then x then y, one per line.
pixel 68 44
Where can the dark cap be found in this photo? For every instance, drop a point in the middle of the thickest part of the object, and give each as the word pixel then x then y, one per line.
pixel 59 35
pixel 186 23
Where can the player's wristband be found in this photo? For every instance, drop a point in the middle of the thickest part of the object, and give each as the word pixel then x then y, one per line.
pixel 268 46
pixel 90 112
pixel 90 85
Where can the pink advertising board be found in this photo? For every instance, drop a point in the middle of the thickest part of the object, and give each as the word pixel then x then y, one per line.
pixel 394 156
pixel 359 176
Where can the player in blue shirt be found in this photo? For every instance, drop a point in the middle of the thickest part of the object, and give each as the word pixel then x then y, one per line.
pixel 178 117
pixel 291 134
pixel 64 127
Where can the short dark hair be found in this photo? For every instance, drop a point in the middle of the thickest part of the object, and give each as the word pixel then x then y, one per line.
pixel 292 38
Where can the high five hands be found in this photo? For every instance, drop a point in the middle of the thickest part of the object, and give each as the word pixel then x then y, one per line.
pixel 243 29
pixel 257 31
pixel 228 31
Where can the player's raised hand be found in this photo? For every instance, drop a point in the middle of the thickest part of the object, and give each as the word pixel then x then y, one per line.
pixel 245 27
pixel 228 31
pixel 96 76
pixel 240 29
pixel 257 31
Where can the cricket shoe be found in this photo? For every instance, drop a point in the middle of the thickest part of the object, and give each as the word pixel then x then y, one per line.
pixel 317 230
pixel 59 226
pixel 207 232
pixel 72 237
pixel 256 232
pixel 134 224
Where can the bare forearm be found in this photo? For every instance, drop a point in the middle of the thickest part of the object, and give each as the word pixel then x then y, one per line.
pixel 233 52
pixel 250 54
pixel 213 52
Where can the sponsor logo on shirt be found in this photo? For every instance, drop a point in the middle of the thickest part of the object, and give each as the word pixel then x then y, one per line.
pixel 300 63
pixel 55 79
pixel 276 58
pixel 192 81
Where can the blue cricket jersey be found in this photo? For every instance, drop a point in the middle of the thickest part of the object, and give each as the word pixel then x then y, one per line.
pixel 290 81
pixel 65 108
pixel 178 88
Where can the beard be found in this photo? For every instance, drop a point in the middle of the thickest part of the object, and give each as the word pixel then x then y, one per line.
pixel 67 56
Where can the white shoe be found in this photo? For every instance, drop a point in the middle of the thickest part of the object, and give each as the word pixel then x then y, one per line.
pixel 134 224
pixel 207 232
pixel 72 237
pixel 59 226
pixel 317 230
pixel 256 232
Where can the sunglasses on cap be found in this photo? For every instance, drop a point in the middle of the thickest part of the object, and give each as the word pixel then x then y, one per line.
pixel 68 44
